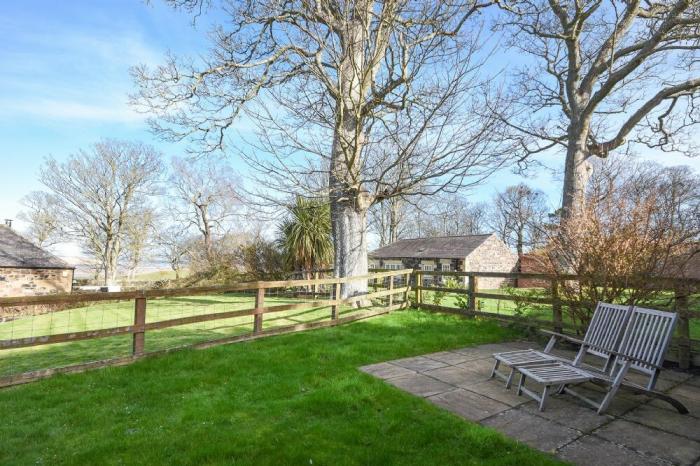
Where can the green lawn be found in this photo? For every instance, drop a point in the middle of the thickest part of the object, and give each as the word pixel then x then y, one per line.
pixel 291 399
pixel 541 311
pixel 114 314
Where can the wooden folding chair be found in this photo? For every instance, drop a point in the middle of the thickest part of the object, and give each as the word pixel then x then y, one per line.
pixel 643 348
pixel 602 337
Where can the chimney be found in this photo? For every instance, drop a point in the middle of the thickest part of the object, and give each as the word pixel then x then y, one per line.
pixel 8 222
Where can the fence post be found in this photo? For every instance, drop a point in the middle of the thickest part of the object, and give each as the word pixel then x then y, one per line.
pixel 336 296
pixel 419 292
pixel 681 306
pixel 316 277
pixel 258 316
pixel 557 317
pixel 471 306
pixel 391 290
pixel 139 322
pixel 407 285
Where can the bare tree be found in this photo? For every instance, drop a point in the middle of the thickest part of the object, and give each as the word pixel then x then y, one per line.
pixel 138 237
pixel 99 193
pixel 174 246
pixel 389 219
pixel 440 215
pixel 41 214
pixel 518 216
pixel 379 97
pixel 607 73
pixel 205 197
pixel 452 215
pixel 648 215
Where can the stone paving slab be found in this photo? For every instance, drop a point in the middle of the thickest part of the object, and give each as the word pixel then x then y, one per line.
pixel 533 430
pixel 386 370
pixel 468 404
pixel 636 430
pixel 420 385
pixel 494 389
pixel 570 413
pixel 687 394
pixel 419 363
pixel 666 420
pixel 651 441
pixel 456 375
pixel 593 451
pixel 449 357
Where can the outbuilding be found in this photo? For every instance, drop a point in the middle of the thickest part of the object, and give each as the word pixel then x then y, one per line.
pixel 471 253
pixel 28 270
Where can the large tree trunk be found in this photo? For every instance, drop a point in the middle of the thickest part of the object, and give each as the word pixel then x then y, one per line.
pixel 350 244
pixel 577 172
pixel 349 201
pixel 111 255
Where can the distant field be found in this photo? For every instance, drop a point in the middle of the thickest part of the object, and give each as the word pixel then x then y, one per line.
pixel 159 275
pixel 114 314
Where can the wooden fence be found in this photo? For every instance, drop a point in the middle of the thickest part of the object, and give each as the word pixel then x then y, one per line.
pixel 685 346
pixel 139 328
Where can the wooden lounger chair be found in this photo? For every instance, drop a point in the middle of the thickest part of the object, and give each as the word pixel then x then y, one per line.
pixel 643 348
pixel 602 337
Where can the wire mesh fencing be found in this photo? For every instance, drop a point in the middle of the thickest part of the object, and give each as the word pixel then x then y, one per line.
pixel 43 335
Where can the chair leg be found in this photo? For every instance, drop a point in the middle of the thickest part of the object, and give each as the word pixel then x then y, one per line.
pixel 614 387
pixel 543 400
pixel 495 366
pixel 509 382
pixel 520 384
pixel 561 389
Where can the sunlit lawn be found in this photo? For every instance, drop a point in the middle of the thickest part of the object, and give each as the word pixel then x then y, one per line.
pixel 292 399
pixel 544 312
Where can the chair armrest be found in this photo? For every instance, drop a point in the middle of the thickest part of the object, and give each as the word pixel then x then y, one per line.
pixel 627 357
pixel 564 336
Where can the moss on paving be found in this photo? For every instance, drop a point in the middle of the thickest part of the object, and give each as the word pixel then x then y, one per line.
pixel 292 399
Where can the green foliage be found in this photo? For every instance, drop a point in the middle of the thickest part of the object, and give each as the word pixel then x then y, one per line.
pixel 292 399
pixel 521 300
pixel 305 235
pixel 261 260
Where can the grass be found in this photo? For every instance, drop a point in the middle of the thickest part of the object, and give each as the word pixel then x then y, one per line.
pixel 291 399
pixel 543 311
pixel 114 314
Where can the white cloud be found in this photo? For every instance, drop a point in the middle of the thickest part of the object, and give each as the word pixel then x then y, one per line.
pixel 55 109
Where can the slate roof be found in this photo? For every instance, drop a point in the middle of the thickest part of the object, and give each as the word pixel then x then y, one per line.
pixel 443 247
pixel 17 251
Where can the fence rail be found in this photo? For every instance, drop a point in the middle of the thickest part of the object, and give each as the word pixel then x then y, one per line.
pixel 394 297
pixel 681 288
pixel 389 290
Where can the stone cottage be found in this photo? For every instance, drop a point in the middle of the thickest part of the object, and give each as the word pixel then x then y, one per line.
pixel 472 253
pixel 28 270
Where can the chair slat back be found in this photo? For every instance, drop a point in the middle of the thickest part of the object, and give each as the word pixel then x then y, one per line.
pixel 647 337
pixel 606 328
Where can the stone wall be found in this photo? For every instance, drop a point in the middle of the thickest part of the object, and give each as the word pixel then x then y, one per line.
pixel 491 256
pixel 31 282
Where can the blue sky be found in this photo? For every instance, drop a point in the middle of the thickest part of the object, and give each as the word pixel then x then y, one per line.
pixel 65 82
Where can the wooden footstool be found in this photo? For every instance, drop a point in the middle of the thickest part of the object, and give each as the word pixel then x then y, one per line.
pixel 549 374
pixel 518 358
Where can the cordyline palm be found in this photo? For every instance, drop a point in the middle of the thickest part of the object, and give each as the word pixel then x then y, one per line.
pixel 305 235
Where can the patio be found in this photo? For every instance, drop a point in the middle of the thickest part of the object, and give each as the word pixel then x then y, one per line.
pixel 635 430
